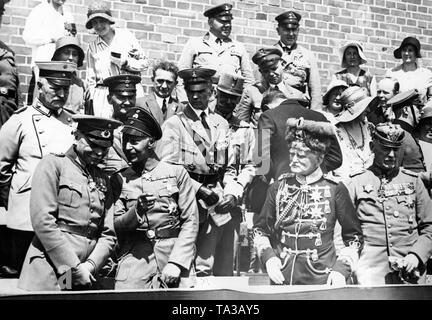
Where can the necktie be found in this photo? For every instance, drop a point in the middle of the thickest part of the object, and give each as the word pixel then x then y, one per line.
pixel 219 41
pixel 204 122
pixel 164 106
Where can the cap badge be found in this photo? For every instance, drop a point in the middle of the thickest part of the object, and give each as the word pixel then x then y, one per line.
pixel 135 116
pixel 105 134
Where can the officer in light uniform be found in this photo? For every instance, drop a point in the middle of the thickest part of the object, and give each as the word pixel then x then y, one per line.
pixel 295 229
pixel 198 139
pixel 395 213
pixel 122 97
pixel 300 65
pixel 31 133
pixel 72 212
pixel 156 215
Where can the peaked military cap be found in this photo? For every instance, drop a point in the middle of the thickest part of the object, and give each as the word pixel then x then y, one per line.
pixel 123 84
pixel 389 134
pixel 221 12
pixel 231 84
pixel 57 72
pixel 289 18
pixel 97 129
pixel 404 98
pixel 196 78
pixel 426 111
pixel 266 57
pixel 140 122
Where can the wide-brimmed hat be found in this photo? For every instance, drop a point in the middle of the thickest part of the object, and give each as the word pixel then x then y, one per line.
pixel 69 41
pixel 354 44
pixel 98 9
pixel 354 102
pixel 333 85
pixel 405 42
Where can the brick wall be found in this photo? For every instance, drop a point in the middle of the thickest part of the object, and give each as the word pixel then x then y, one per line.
pixel 163 27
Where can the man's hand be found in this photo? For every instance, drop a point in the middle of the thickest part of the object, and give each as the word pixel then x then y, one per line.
pixel 410 262
pixel 209 196
pixel 171 274
pixel 227 204
pixel 336 278
pixel 145 202
pixel 273 266
pixel 81 275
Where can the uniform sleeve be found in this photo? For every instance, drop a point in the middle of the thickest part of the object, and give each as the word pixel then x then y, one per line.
pixel 107 240
pixel 44 213
pixel 251 98
pixel 125 220
pixel 315 84
pixel 351 232
pixel 10 137
pixel 140 60
pixel 187 56
pixel 423 246
pixel 183 252
pixel 333 157
pixel 246 68
pixel 263 138
pixel 264 226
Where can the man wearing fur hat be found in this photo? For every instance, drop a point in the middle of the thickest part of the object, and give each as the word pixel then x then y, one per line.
pixel 300 65
pixel 395 213
pixel 295 230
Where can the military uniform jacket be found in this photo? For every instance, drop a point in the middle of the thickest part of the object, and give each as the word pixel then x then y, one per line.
pixel 396 219
pixel 299 220
pixel 240 167
pixel 30 134
pixel 175 209
pixel 185 140
pixel 66 193
pixel 271 134
pixel 301 72
pixel 149 102
pixel 229 57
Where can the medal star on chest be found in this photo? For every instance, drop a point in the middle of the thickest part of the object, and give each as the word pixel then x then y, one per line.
pixel 315 212
pixel 315 195
pixel 368 188
pixel 410 202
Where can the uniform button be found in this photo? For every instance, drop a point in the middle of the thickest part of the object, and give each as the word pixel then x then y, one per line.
pixel 44 146
pixel 37 119
pixel 396 214
pixel 41 131
pixel 69 119
pixel 390 235
pixel 92 200
pixel 389 226
pixel 391 245
pixel 91 210
pixel 387 208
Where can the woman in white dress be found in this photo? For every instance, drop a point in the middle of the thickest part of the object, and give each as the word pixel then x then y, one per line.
pixel 114 51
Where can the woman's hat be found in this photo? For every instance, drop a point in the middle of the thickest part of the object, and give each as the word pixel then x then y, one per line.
pixel 69 41
pixel 354 102
pixel 408 41
pixel 333 85
pixel 354 44
pixel 98 9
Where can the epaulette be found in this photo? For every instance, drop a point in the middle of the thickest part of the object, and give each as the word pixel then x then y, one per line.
pixel 286 176
pixel 21 110
pixel 331 178
pixel 356 173
pixel 409 172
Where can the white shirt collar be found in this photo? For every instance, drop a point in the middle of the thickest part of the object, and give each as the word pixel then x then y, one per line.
pixel 312 178
pixel 159 101
pixel 198 112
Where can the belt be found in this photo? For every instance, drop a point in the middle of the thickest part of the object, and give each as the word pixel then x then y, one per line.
pixel 90 232
pixel 160 233
pixel 8 93
pixel 205 178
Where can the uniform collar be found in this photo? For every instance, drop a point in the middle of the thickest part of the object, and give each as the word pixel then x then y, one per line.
pixel 198 112
pixel 46 111
pixel 312 178
pixel 389 175
pixel 285 47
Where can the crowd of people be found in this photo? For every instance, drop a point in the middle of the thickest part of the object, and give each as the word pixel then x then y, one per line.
pixel 213 172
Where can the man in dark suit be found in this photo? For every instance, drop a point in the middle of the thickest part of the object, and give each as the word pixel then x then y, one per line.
pixel 161 102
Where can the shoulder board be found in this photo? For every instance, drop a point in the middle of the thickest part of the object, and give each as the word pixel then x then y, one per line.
pixel 353 174
pixel 409 172
pixel 330 177
pixel 21 110
pixel 69 111
pixel 286 176
pixel 121 170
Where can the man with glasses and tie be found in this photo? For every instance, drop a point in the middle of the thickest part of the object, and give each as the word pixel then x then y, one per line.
pixel 300 65
pixel 162 101
pixel 197 138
